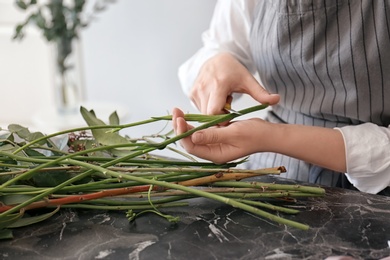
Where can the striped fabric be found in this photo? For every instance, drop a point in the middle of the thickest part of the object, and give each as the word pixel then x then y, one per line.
pixel 330 62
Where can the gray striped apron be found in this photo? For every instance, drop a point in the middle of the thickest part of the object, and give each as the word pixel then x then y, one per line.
pixel 330 62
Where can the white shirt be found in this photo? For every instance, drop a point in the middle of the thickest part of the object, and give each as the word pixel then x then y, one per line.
pixel 367 145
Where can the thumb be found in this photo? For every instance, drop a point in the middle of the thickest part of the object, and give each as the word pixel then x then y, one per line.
pixel 259 93
pixel 209 136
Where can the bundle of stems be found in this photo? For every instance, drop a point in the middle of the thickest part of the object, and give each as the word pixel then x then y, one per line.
pixel 98 168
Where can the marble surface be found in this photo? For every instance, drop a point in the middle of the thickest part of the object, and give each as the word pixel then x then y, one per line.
pixel 343 222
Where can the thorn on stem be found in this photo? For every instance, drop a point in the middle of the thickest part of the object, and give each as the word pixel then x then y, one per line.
pixel 218 175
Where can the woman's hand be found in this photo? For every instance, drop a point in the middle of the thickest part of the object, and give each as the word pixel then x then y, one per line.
pixel 317 145
pixel 220 77
pixel 220 144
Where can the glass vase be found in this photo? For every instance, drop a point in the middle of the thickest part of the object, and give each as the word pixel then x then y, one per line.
pixel 68 77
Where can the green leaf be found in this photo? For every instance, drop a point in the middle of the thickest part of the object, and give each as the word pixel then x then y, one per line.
pixel 6 234
pixel 32 152
pixel 7 220
pixel 35 136
pixel 114 119
pixel 101 135
pixel 25 134
pixel 21 4
pixel 5 178
pixel 10 149
pixel 22 222
pixel 6 138
pixel 14 199
pixel 50 179
pixel 39 20
pixel 7 148
pixel 21 131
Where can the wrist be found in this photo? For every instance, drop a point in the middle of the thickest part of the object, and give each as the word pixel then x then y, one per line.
pixel 267 136
pixel 317 145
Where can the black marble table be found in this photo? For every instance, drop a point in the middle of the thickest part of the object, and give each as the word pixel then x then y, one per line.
pixel 343 222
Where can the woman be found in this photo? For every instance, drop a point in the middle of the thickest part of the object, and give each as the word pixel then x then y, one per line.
pixel 326 63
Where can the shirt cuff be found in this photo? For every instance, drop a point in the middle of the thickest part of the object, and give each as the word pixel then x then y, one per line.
pixel 367 148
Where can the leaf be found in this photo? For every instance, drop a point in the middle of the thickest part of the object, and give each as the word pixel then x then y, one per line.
pixel 21 4
pixel 36 135
pixel 6 138
pixel 50 179
pixel 14 199
pixel 32 152
pixel 101 135
pixel 114 119
pixel 6 234
pixel 5 178
pixel 7 148
pixel 21 131
pixel 25 134
pixel 18 32
pixel 22 222
pixel 10 219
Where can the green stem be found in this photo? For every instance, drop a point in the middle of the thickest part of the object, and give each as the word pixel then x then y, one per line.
pixel 269 206
pixel 279 194
pixel 130 162
pixel 271 186
pixel 119 207
pixel 126 202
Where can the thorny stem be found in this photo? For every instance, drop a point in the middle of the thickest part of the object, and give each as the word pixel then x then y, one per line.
pixel 124 207
pixel 272 186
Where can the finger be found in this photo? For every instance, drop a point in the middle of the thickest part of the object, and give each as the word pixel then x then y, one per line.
pixel 176 112
pixel 181 127
pixel 260 94
pixel 211 136
pixel 196 99
pixel 216 104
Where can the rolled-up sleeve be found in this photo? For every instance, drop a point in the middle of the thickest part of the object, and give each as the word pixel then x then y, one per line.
pixel 228 32
pixel 368 156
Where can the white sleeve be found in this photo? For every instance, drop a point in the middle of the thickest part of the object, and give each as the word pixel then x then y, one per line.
pixel 368 156
pixel 229 32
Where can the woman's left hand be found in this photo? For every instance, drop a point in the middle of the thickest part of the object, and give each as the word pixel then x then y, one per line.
pixel 220 144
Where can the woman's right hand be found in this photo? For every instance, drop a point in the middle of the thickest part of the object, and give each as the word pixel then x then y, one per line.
pixel 220 77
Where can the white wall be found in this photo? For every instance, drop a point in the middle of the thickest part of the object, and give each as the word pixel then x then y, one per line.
pixel 24 70
pixel 134 48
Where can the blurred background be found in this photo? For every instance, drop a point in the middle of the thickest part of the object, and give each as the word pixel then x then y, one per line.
pixel 129 56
